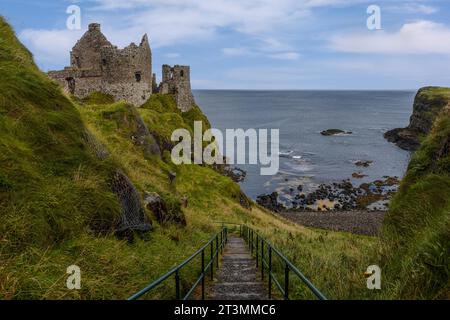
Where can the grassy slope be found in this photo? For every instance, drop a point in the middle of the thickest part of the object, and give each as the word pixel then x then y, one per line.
pixel 54 192
pixel 416 237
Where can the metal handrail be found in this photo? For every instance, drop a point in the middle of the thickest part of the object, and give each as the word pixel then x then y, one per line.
pixel 249 235
pixel 214 257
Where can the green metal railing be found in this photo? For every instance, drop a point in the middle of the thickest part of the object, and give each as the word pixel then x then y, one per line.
pixel 219 239
pixel 262 248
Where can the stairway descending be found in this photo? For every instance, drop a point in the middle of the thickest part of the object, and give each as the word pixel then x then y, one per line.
pixel 238 278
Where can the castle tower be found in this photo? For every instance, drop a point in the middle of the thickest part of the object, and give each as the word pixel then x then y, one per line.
pixel 86 52
pixel 176 80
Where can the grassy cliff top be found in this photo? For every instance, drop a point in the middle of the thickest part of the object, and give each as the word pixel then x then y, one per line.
pixel 435 92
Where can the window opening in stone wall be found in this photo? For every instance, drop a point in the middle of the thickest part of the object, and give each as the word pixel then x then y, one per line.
pixel 137 75
pixel 71 84
pixel 182 73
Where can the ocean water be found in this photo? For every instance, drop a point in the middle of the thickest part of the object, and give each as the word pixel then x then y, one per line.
pixel 307 157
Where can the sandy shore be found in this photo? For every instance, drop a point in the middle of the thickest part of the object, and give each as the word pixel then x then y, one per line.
pixel 359 222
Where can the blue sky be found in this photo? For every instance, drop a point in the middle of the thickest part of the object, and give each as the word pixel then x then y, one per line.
pixel 258 44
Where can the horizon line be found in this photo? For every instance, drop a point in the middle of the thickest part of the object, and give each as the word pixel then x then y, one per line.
pixel 230 89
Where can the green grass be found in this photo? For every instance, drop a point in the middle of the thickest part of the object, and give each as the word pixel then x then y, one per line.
pixel 433 93
pixel 435 99
pixel 416 237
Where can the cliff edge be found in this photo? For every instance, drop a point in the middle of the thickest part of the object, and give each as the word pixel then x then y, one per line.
pixel 428 103
pixel 416 231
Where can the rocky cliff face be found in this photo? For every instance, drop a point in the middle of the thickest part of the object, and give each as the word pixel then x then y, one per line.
pixel 428 103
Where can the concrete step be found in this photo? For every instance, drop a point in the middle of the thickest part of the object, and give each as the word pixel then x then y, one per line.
pixel 237 278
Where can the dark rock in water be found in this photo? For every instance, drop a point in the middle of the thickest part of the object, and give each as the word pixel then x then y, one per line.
pixel 358 175
pixel 403 138
pixel 163 211
pixel 270 201
pixel 363 163
pixel 428 103
pixel 333 132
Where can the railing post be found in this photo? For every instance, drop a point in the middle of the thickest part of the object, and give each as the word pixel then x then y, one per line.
pixel 221 237
pixel 251 246
pixel 257 242
pixel 270 271
pixel 226 235
pixel 212 261
pixel 262 259
pixel 286 282
pixel 217 250
pixel 177 285
pixel 203 274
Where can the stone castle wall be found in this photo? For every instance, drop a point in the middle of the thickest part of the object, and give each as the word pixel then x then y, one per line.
pixel 97 65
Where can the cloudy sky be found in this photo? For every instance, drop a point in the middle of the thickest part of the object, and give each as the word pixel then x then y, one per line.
pixel 258 44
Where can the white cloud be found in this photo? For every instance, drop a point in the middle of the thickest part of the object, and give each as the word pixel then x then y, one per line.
pixel 51 46
pixel 262 51
pixel 272 44
pixel 172 55
pixel 285 55
pixel 175 20
pixel 413 8
pixel 237 51
pixel 171 22
pixel 421 37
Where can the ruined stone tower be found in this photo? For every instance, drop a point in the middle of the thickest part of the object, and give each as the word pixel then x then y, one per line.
pixel 97 65
pixel 176 80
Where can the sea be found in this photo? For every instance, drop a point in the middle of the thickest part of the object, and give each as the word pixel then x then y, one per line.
pixel 308 158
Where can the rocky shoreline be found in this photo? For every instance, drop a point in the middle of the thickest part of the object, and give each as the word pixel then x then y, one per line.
pixel 336 196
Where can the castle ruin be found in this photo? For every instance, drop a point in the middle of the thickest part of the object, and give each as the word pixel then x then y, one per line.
pixel 176 81
pixel 126 74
